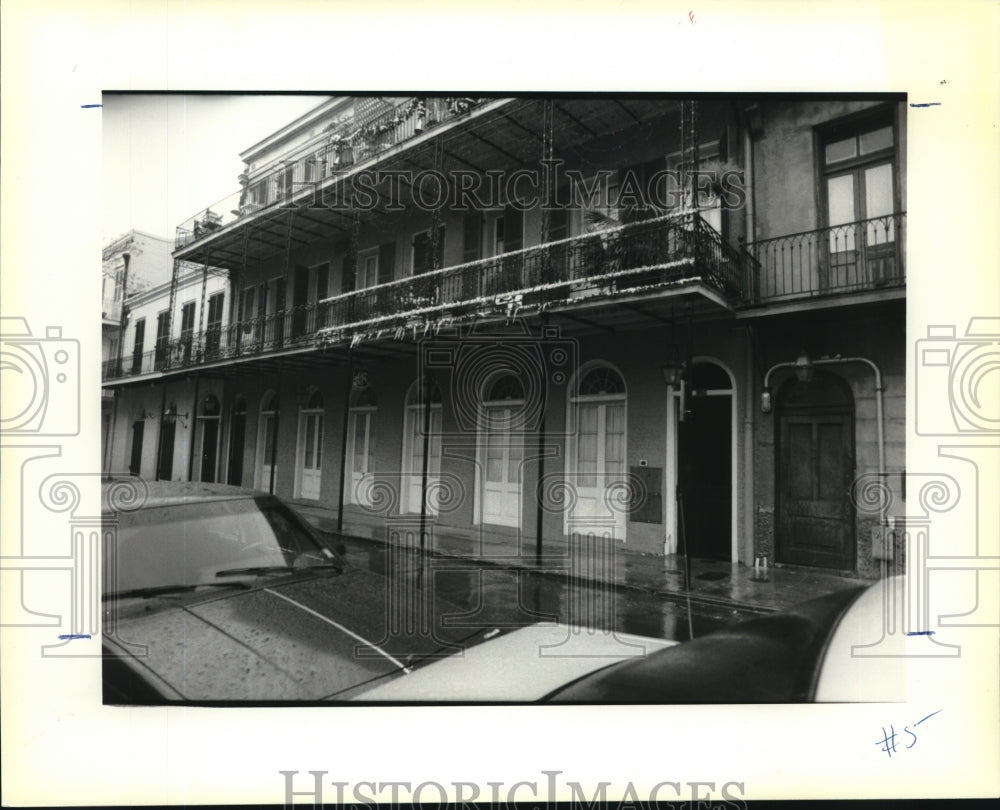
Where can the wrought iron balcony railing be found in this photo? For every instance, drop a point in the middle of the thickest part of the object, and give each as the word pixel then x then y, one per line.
pixel 858 256
pixel 637 258
pixel 346 144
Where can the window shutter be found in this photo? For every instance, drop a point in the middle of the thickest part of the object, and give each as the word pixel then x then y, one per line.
pixel 513 229
pixel 472 235
pixel 322 281
pixel 386 262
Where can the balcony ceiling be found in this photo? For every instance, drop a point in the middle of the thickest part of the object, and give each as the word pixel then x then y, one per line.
pixel 506 137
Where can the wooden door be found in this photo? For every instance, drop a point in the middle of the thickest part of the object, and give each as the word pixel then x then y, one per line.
pixel 815 471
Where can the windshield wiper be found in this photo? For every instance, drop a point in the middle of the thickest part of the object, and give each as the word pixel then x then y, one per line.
pixel 265 570
pixel 166 590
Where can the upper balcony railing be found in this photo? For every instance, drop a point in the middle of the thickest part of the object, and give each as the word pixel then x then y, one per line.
pixel 341 147
pixel 638 258
pixel 854 257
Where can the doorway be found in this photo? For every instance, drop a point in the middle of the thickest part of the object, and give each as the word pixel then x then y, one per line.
pixel 135 458
pixel 209 427
pixel 237 438
pixel 704 464
pixel 814 471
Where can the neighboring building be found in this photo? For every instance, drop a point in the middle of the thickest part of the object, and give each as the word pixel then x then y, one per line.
pixel 130 264
pixel 596 336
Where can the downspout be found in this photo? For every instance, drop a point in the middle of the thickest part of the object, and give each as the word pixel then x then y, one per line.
pixel 749 527
pixel 123 319
pixel 425 383
pixel 274 438
pixel 749 512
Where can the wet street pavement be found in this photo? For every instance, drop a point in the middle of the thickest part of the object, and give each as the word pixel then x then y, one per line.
pixel 510 596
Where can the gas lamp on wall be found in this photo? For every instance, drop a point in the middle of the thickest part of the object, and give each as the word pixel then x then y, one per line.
pixel 171 416
pixel 804 369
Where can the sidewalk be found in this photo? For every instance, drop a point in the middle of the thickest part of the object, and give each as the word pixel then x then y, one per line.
pixel 775 588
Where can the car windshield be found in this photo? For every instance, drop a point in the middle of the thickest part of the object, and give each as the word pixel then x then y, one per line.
pixel 195 543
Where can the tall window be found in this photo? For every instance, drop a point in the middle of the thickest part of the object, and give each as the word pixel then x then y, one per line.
pixel 422 259
pixel 502 452
pixel 361 446
pixel 162 338
pixel 367 269
pixel 214 335
pixel 137 345
pixel 311 446
pixel 267 426
pixel 597 461
pixel 859 194
pixel 187 329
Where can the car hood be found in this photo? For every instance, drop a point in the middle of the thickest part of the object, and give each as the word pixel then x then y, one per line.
pixel 521 666
pixel 307 638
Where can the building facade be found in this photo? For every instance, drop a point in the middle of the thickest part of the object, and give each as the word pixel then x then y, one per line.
pixel 675 324
pixel 130 264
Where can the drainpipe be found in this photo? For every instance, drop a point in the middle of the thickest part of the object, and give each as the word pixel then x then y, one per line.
pixel 426 383
pixel 123 319
pixel 274 438
pixel 749 514
pixel 749 527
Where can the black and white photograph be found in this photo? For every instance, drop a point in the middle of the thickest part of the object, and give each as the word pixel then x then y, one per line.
pixel 589 403
pixel 573 397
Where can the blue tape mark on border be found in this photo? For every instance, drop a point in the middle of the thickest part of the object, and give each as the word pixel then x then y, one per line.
pixel 73 636
pixel 90 106
pixel 921 633
pixel 928 104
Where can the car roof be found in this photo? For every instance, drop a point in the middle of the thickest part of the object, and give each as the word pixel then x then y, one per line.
pixel 128 493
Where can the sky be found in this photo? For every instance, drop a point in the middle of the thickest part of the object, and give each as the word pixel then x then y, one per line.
pixel 167 157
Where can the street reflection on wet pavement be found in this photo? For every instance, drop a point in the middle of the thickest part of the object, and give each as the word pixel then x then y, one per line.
pixel 489 594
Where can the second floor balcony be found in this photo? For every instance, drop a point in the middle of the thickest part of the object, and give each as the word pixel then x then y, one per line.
pixel 649 259
pixel 862 256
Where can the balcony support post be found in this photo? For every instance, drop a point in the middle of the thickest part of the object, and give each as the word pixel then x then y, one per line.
pixel 540 512
pixel 547 152
pixel 274 438
pixel 170 313
pixel 425 384
pixel 436 218
pixel 348 390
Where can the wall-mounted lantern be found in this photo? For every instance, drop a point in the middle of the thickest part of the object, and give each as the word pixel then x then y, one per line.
pixel 170 416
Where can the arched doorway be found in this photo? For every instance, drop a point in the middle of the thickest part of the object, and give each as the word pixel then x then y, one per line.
pixel 705 464
pixel 814 470
pixel 209 413
pixel 237 438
